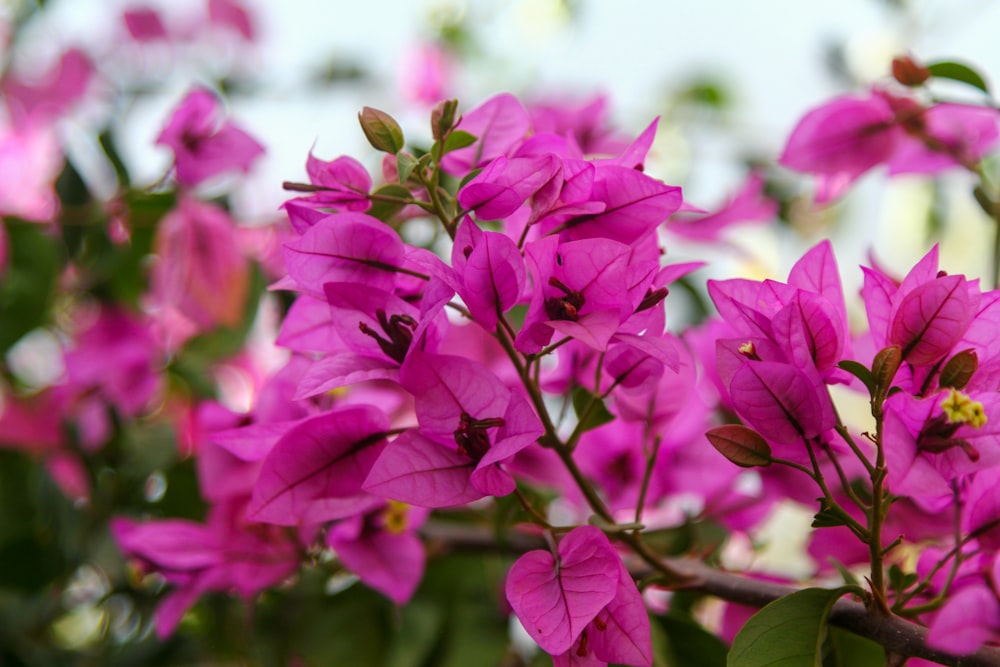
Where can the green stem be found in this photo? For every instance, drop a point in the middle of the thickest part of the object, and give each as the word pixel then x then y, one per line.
pixel 647 476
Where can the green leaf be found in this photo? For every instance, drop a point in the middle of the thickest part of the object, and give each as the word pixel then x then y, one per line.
pixel 386 210
pixel 741 445
pixel 827 517
pixel 382 130
pixel 959 370
pixel 846 649
pixel 849 577
pixel 946 69
pixel 685 643
pixel 405 164
pixel 27 285
pixel 110 148
pixel 457 139
pixel 861 372
pixel 590 410
pixel 884 368
pixel 899 580
pixel 443 118
pixel 789 632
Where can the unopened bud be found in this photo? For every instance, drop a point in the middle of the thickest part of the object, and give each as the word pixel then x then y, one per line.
pixel 909 72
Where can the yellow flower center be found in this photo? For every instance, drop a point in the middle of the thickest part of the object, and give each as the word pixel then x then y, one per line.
pixel 959 408
pixel 395 517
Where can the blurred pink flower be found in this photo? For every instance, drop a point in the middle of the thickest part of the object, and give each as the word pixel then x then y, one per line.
pixel 426 73
pixel 30 160
pixel 204 143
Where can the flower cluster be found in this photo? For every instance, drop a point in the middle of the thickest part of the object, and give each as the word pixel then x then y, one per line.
pixel 477 338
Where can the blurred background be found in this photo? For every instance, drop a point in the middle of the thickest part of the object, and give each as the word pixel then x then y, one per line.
pixel 729 79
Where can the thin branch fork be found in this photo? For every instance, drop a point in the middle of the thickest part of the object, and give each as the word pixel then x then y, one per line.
pixel 897 635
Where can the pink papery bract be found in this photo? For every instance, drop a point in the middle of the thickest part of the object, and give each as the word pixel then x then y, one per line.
pixel 204 144
pixel 491 271
pixel 315 471
pixel 414 469
pixel 344 247
pixel 931 319
pixel 781 401
pixel 555 597
pixel 498 124
pixel 841 140
pixel 200 273
pixel 390 559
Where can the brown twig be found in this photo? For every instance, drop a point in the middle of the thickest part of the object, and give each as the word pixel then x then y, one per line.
pixel 897 635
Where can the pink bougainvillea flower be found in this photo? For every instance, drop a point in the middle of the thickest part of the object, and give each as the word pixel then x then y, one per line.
pixel 981 509
pixel 579 288
pixel 781 401
pixel 30 160
pixel 802 322
pixel 426 72
pixel 931 315
pixel 620 633
pixel 556 596
pixel 504 185
pixel 224 554
pixel 841 140
pixel 470 424
pixel 382 548
pixel 490 272
pixel 200 273
pixel 144 24
pixel 971 616
pixel 232 15
pixel 204 143
pixel 585 122
pixel 498 124
pixel 932 441
pixel 635 204
pixel 376 330
pixel 749 205
pixel 342 184
pixel 844 138
pixel 345 247
pixel 315 471
pixel 115 357
pixel 49 96
pixel 946 136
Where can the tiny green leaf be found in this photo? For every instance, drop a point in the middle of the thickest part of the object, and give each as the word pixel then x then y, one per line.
pixel 405 164
pixel 899 580
pixel 687 643
pixel 741 445
pixel 985 202
pixel 388 200
pixel 861 372
pixel 846 649
pixel 789 632
pixel 884 368
pixel 946 69
pixel 457 139
pixel 826 519
pixel 848 576
pixel 959 370
pixel 590 410
pixel 382 130
pixel 443 118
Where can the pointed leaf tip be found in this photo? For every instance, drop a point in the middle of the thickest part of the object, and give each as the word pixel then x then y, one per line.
pixel 959 370
pixel 382 130
pixel 741 445
pixel 958 72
